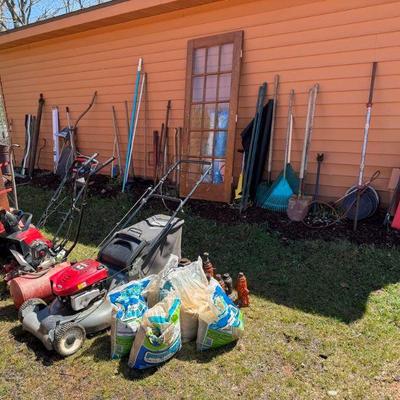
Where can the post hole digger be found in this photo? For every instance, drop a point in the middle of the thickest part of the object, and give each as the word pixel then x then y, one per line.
pixel 129 251
pixel 33 253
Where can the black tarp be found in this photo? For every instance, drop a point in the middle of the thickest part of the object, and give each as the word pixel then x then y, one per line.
pixel 261 147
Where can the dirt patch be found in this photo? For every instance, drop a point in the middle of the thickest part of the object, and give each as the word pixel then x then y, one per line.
pixel 370 231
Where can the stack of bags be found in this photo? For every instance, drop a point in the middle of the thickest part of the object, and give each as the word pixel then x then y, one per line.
pixel 154 316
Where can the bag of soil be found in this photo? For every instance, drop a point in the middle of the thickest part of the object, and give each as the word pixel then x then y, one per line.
pixel 159 335
pixel 191 285
pixel 154 294
pixel 228 325
pixel 128 307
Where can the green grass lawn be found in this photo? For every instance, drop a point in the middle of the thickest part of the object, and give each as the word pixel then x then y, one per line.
pixel 324 323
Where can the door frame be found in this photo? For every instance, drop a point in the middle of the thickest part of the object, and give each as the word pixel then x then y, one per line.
pixel 222 192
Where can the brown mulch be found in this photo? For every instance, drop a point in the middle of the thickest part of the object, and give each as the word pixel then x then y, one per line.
pixel 370 231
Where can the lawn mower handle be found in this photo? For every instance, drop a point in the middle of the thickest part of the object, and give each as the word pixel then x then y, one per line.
pixel 103 165
pixel 27 222
pixel 150 192
pixel 83 194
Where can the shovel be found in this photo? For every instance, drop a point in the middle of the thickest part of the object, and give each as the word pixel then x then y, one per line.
pixel 299 204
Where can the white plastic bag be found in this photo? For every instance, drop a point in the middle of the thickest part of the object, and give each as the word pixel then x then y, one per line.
pixel 159 335
pixel 191 285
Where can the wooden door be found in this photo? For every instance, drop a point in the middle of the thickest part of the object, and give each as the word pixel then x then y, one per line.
pixel 212 90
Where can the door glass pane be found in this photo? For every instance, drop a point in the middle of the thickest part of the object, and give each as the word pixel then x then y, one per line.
pixel 198 86
pixel 218 174
pixel 209 177
pixel 223 116
pixel 226 57
pixel 194 143
pixel 207 145
pixel 220 138
pixel 196 116
pixel 211 88
pixel 224 89
pixel 199 61
pixel 209 116
pixel 212 59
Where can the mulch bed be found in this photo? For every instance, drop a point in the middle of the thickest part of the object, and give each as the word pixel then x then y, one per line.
pixel 370 231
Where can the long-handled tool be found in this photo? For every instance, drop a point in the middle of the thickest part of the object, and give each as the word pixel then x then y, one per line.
pixel 156 146
pixel 131 125
pixel 298 204
pixel 272 135
pixel 116 169
pixel 164 139
pixel 142 86
pixel 320 159
pixel 280 192
pixel 365 142
pixel 35 136
pixel 28 133
pixel 249 158
pixel 56 140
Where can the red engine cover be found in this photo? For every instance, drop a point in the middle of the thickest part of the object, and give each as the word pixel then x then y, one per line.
pixel 78 276
pixel 32 234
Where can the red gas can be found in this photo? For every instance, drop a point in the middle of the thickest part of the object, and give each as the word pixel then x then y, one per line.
pixel 27 287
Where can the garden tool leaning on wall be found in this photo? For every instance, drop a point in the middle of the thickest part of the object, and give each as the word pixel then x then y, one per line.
pixel 299 204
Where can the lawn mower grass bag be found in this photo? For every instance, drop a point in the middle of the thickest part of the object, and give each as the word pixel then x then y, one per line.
pixel 141 236
pixel 191 285
pixel 128 307
pixel 159 335
pixel 228 325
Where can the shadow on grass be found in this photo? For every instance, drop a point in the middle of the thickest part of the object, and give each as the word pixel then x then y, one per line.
pixel 47 358
pixel 324 283
pixel 99 350
pixel 333 279
pixel 8 313
pixel 189 353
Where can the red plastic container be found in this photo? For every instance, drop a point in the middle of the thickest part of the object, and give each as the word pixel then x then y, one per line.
pixel 28 287
pixel 396 219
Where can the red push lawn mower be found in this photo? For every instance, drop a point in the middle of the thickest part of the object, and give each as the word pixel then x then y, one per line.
pixel 129 252
pixel 30 253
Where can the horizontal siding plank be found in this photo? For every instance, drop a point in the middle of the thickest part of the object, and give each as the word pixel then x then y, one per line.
pixel 331 42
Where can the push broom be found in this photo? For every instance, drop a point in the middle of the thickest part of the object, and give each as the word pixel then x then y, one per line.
pixel 278 197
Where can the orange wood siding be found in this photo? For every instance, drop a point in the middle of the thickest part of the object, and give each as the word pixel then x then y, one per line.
pixel 332 42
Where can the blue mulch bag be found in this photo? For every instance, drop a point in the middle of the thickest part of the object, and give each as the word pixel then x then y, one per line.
pixel 159 335
pixel 128 307
pixel 227 327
